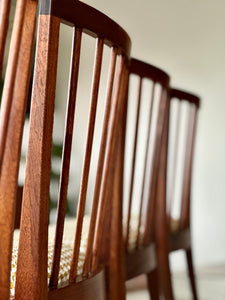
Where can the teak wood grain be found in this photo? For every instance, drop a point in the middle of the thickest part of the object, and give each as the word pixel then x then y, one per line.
pixel 13 107
pixel 99 277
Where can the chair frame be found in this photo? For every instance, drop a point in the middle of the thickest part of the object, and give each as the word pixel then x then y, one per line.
pixel 143 260
pixel 32 256
pixel 13 107
pixel 168 241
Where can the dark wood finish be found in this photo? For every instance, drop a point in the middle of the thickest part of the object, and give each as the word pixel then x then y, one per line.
pixel 66 158
pixel 13 108
pixel 84 16
pixel 103 268
pixel 133 165
pixel 87 159
pixel 142 259
pixel 170 239
pixel 33 245
pixel 165 286
pixel 19 197
pixel 117 288
pixel 91 288
pixel 101 162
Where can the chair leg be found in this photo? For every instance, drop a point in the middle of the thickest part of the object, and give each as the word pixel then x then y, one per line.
pixel 165 283
pixel 191 273
pixel 152 280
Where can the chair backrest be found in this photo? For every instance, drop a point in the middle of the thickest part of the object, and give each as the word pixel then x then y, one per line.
pixel 31 279
pixel 181 137
pixel 147 102
pixel 13 107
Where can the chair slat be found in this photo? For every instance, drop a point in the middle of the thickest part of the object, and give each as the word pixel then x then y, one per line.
pixel 174 161
pixel 185 202
pixel 100 162
pixel 108 174
pixel 12 148
pixel 116 245
pixel 10 74
pixel 150 216
pixel 145 165
pixel 133 161
pixel 87 159
pixel 75 59
pixel 31 276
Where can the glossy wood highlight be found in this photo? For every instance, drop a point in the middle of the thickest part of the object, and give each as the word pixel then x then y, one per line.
pixel 14 100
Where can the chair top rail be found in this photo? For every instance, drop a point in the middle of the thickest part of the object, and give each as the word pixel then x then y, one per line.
pixel 92 22
pixel 180 94
pixel 144 69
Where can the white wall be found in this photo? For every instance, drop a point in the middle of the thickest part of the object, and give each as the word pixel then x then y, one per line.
pixel 186 38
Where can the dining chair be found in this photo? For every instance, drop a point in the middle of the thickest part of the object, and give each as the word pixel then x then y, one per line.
pixel 174 186
pixel 12 115
pixel 147 101
pixel 93 259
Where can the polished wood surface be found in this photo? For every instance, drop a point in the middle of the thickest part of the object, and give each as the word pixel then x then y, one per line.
pixel 31 279
pixel 176 158
pixel 142 259
pixel 84 16
pixel 13 107
pixel 92 288
pixel 109 261
pixel 23 32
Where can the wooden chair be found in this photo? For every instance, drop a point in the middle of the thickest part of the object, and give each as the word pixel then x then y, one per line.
pixel 174 186
pixel 13 106
pixel 147 101
pixel 98 277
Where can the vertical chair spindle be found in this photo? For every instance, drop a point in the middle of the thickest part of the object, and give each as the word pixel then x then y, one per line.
pixel 75 61
pixel 87 160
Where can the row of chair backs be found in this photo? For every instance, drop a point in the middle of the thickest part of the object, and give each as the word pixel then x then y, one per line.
pixel 137 108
